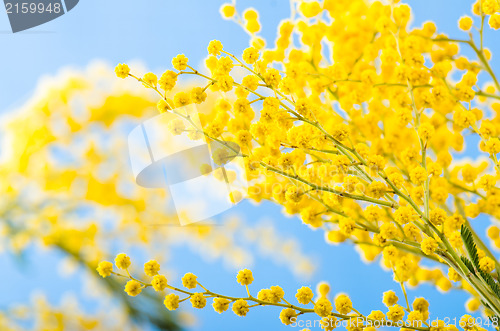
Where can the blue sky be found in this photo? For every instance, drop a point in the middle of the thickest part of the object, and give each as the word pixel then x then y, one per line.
pixel 153 32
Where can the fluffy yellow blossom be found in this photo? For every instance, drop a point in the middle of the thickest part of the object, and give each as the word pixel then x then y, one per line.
pixel 287 316
pixel 487 264
pixel 151 268
pixel 150 79
pixel 492 146
pixel 162 106
pixel 214 47
pixel 467 322
pixel 189 280
pixel 395 313
pixel 390 298
pixel 250 55
pixel 494 21
pixel 198 300
pixel 240 307
pixel 180 62
pixel 328 323
pixel 376 315
pixel 426 131
pixel 133 288
pixel 181 99
pixel 220 305
pixel 453 275
pixel 244 277
pixel 198 95
pixel 343 304
pixel 159 282
pixel 167 80
pixel 171 301
pixel 122 70
pixel 122 261
pixel 429 246
pixel 304 295
pixel 465 23
pixel 472 305
pixel 403 215
pixel 227 10
pixel 176 126
pixel 418 175
pixel 323 307
pixel 105 268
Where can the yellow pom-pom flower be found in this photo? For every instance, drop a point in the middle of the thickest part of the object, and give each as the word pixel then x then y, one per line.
pixel 122 261
pixel 244 277
pixel 189 281
pixel 133 288
pixel 105 269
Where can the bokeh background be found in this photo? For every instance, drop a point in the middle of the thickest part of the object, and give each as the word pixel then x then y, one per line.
pixel 151 33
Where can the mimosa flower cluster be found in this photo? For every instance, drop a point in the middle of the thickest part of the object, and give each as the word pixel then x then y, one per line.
pixel 354 120
pixel 332 310
pixel 70 206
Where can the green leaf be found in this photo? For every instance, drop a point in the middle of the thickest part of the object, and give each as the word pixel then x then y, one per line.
pixel 468 264
pixel 491 282
pixel 470 246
